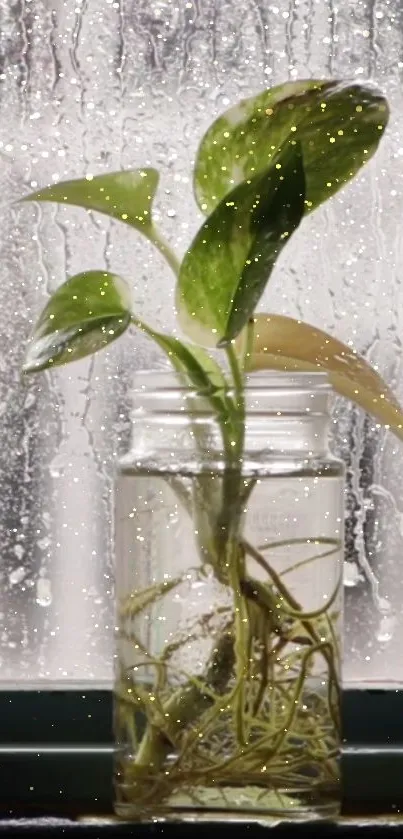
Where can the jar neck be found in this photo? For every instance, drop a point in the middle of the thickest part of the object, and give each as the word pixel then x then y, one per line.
pixel 286 414
pixel 289 435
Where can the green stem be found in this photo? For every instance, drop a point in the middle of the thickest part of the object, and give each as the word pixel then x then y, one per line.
pixel 235 369
pixel 165 249
pixel 229 518
pixel 249 334
pixel 241 644
pixel 237 376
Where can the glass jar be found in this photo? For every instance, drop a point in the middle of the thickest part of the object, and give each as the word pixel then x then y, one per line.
pixel 229 606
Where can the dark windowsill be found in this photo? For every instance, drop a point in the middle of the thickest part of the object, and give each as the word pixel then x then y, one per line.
pixel 105 829
pixel 56 752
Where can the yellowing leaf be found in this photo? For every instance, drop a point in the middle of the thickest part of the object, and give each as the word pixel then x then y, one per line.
pixel 282 343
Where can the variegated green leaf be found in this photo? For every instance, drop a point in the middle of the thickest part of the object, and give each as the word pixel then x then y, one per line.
pixel 225 271
pixel 338 124
pixel 85 314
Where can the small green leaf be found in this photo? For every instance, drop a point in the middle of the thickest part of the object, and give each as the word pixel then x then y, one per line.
pixel 224 273
pixel 84 315
pixel 338 123
pixel 282 343
pixel 126 196
pixel 198 367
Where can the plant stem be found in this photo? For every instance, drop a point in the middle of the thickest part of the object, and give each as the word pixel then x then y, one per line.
pixel 239 392
pixel 165 249
pixel 247 352
pixel 229 518
pixel 242 637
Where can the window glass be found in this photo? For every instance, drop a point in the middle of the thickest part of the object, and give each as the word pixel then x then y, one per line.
pixel 92 86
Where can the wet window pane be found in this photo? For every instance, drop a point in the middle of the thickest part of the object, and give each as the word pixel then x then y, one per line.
pixel 92 86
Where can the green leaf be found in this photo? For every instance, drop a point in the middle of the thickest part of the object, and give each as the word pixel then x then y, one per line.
pixel 224 273
pixel 84 315
pixel 282 343
pixel 338 123
pixel 126 196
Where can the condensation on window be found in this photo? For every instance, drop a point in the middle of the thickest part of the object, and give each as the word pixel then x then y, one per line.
pixel 93 85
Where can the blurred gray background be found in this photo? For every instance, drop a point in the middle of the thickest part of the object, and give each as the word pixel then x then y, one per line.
pixel 96 85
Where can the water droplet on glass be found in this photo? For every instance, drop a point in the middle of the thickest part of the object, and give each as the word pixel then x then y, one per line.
pixel 57 466
pixel 351 575
pixel 30 401
pixel 43 544
pixel 386 628
pixel 17 575
pixel 43 592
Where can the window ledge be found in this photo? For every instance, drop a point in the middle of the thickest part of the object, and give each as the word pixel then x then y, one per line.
pixel 104 828
pixel 62 763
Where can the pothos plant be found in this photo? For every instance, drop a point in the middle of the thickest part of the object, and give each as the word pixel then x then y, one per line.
pixel 260 168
